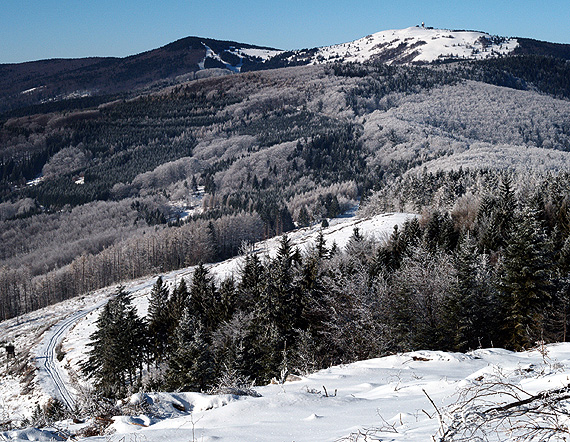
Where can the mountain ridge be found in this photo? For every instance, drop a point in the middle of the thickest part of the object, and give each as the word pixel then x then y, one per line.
pixel 50 80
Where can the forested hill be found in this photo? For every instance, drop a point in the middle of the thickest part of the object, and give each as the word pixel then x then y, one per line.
pixel 51 81
pixel 96 190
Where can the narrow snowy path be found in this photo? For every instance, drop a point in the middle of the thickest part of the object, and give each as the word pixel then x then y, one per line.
pixel 53 378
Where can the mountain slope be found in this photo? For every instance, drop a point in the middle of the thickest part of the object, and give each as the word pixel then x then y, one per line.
pixel 48 80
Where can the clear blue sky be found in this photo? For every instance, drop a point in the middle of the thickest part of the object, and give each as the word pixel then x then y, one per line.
pixel 38 29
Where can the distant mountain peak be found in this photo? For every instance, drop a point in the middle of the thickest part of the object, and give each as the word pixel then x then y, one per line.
pixel 418 45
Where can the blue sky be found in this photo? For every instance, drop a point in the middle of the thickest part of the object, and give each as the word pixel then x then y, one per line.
pixel 38 29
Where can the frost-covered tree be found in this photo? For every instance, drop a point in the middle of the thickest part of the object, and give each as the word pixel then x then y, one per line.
pixel 191 365
pixel 250 284
pixel 177 303
pixel 472 305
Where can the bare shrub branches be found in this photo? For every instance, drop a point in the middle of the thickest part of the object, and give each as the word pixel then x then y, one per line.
pixel 496 408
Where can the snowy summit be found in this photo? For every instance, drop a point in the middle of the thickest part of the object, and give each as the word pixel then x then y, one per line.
pixel 418 45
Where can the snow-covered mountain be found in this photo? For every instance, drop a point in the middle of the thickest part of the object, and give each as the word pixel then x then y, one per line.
pixel 414 45
pixel 418 45
pixel 196 57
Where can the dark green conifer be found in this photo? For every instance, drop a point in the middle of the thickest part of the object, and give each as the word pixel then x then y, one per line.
pixel 177 303
pixel 204 299
pixel 304 219
pixel 117 347
pixel 191 366
pixel 159 321
pixel 525 281
pixel 250 284
pixel 471 309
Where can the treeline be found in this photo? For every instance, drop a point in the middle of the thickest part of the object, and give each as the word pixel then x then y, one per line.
pixel 163 250
pixel 439 282
pixel 547 74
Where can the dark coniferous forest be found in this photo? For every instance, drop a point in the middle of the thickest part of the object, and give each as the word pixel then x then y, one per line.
pixel 453 281
pixel 100 190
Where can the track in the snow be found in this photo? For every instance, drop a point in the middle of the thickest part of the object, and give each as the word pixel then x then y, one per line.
pixel 53 378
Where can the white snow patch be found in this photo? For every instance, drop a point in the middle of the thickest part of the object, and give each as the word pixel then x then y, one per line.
pixel 385 397
pixel 264 54
pixel 29 91
pixel 35 181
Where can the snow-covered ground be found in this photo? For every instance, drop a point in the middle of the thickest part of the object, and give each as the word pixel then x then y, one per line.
pixel 388 398
pixel 263 54
pixel 401 46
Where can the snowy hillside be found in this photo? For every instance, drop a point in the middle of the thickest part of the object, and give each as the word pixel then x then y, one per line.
pixel 417 45
pixel 233 58
pixel 404 397
pixel 388 398
pixel 35 335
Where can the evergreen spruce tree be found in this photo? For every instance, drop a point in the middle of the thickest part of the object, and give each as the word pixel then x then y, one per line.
pixel 287 298
pixel 250 283
pixel 100 364
pixel 117 347
pixel 304 219
pixel 525 282
pixel 159 321
pixel 321 245
pixel 279 306
pixel 176 304
pixel 406 240
pixel 204 298
pixel 191 366
pixel 439 232
pixel 227 300
pixel 135 340
pixel 471 308
pixel 315 311
pixel 356 247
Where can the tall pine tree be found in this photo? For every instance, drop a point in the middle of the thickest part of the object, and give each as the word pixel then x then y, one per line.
pixel 117 348
pixel 471 304
pixel 191 365
pixel 159 321
pixel 525 281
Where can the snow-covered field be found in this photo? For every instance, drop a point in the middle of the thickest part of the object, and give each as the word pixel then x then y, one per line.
pixel 396 398
pixel 387 399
